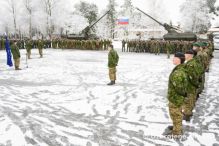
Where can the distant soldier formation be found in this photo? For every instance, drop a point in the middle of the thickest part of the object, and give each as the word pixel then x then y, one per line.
pixel 28 44
pixel 157 46
pixel 81 44
pixel 40 44
pixel 59 44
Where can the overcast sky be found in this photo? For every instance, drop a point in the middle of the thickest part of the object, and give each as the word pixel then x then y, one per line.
pixel 171 6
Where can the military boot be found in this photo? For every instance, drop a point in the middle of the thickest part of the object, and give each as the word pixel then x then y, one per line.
pixel 187 118
pixel 17 68
pixel 111 83
pixel 170 127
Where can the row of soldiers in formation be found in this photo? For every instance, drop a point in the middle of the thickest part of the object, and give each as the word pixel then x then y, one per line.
pixel 157 47
pixel 81 44
pixel 186 82
pixel 63 44
pixel 15 50
pixel 22 43
pixel 29 44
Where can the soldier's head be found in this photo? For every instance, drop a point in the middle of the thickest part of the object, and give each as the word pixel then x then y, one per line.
pixel 189 55
pixel 204 45
pixel 179 58
pixel 110 47
pixel 196 47
pixel 15 41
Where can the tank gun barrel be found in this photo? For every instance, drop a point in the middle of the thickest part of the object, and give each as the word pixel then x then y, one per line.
pixel 99 19
pixel 150 17
pixel 165 25
pixel 86 29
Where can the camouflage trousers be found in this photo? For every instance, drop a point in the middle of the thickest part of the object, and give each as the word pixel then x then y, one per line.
pixel 157 51
pixel 128 48
pixel 177 117
pixel 28 54
pixel 17 63
pixel 123 48
pixel 189 102
pixel 202 84
pixel 41 53
pixel 112 74
pixel 168 54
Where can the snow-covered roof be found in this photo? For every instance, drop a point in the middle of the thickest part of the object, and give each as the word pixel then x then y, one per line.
pixel 214 29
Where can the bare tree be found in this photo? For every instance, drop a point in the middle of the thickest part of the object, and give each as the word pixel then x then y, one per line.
pixel 49 5
pixel 12 6
pixel 29 8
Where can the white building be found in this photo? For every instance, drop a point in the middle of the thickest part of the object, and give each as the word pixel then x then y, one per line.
pixel 125 32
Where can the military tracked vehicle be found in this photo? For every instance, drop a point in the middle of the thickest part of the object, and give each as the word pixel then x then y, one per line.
pixel 85 33
pixel 173 34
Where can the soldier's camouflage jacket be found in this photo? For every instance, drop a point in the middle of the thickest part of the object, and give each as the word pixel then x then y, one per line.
pixel 194 72
pixel 113 58
pixel 15 51
pixel 177 86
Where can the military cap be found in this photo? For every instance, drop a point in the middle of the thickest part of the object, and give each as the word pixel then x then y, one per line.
pixel 201 44
pixel 205 44
pixel 179 54
pixel 189 52
pixel 196 44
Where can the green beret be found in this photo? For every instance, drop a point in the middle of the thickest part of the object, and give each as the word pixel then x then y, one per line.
pixel 205 44
pixel 196 44
pixel 201 44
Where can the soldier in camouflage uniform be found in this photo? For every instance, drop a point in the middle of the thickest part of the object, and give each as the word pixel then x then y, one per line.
pixel 153 45
pixel 101 44
pixel 54 43
pixel 128 46
pixel 123 45
pixel 177 91
pixel 168 49
pixel 16 55
pixel 208 54
pixel 113 59
pixel 40 48
pixel 194 72
pixel 204 60
pixel 105 44
pixel 29 46
pixel 200 59
pixel 184 46
pixel 2 43
pixel 93 45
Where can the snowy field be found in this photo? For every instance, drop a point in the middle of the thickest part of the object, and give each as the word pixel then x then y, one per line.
pixel 63 100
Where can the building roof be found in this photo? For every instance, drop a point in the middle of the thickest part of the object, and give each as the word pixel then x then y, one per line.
pixel 214 29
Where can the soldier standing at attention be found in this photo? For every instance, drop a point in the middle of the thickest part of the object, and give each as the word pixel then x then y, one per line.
pixel 201 60
pixel 123 45
pixel 128 46
pixel 194 71
pixel 40 47
pixel 113 59
pixel 168 48
pixel 29 46
pixel 177 91
pixel 16 55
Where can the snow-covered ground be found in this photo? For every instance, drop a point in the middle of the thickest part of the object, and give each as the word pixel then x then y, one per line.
pixel 63 100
